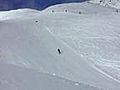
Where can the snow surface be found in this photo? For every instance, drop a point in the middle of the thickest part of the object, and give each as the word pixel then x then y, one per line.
pixel 95 36
pixel 83 8
pixel 16 78
pixel 89 43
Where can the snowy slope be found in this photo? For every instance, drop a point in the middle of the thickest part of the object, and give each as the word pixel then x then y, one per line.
pixel 30 44
pixel 108 3
pixel 5 15
pixel 16 78
pixel 95 37
pixel 83 8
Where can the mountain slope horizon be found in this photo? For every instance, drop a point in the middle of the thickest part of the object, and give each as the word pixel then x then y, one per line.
pixel 33 4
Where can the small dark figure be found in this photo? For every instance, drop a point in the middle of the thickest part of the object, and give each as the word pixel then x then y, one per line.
pixel 100 1
pixel 36 21
pixel 79 12
pixel 59 51
pixel 65 10
pixel 52 11
pixel 117 10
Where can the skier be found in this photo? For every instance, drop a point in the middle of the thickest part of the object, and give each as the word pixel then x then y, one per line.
pixel 52 11
pixel 65 10
pixel 79 12
pixel 59 51
pixel 117 10
pixel 36 21
pixel 100 1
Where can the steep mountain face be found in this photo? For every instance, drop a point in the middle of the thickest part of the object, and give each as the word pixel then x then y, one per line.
pixel 111 3
pixel 35 4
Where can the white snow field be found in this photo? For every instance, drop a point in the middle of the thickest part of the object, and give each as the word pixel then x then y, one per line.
pixel 83 8
pixel 89 43
pixel 16 78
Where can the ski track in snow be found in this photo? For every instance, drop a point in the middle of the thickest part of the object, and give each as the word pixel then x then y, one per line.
pixel 94 66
